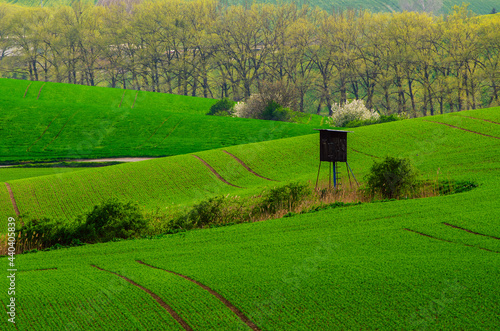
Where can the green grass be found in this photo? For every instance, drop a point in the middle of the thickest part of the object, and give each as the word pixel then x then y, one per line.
pixel 9 174
pixel 71 121
pixel 435 149
pixel 342 268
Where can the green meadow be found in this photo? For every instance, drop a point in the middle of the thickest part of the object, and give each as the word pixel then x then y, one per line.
pixel 416 264
pixel 421 264
pixel 51 121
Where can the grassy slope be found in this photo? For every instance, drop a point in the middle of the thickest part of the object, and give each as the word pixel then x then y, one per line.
pixel 345 268
pixel 182 179
pixel 70 121
pixel 9 174
pixel 480 7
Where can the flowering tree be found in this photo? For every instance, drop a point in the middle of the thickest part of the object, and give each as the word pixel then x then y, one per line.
pixel 351 111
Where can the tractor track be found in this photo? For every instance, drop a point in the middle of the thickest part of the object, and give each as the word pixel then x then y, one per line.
pixel 57 135
pixel 162 303
pixel 354 150
pixel 214 171
pixel 479 119
pixel 470 231
pixel 226 302
pixel 48 126
pixel 247 167
pixel 12 199
pixel 449 241
pixel 456 127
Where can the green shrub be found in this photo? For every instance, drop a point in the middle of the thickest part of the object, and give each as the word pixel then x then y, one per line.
pixel 211 212
pixel 274 112
pixel 47 232
pixel 286 197
pixel 392 178
pixel 223 107
pixel 112 219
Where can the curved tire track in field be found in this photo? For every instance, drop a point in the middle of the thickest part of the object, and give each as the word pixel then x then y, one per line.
pixel 57 135
pixel 226 302
pixel 12 199
pixel 162 303
pixel 151 136
pixel 354 150
pixel 470 231
pixel 214 171
pixel 479 119
pixel 247 167
pixel 449 241
pixel 456 127
pixel 40 91
pixel 168 135
pixel 27 88
pixel 29 148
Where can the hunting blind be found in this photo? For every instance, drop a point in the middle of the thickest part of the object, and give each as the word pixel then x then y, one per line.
pixel 333 149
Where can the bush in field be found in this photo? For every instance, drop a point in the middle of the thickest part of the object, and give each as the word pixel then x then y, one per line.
pixel 112 219
pixel 287 197
pixel 223 107
pixel 213 211
pixel 46 232
pixel 351 111
pixel 392 178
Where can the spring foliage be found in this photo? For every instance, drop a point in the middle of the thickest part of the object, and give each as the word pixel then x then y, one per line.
pixel 351 111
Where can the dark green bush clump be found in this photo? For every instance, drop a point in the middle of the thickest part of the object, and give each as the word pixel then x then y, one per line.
pixel 285 197
pixel 223 107
pixel 392 178
pixel 107 221
pixel 275 112
pixel 213 211
pixel 451 187
pixel 112 219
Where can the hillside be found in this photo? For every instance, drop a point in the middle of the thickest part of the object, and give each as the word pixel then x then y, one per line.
pixel 43 121
pixel 428 263
pixel 184 179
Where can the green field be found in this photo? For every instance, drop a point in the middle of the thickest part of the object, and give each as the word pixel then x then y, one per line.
pixel 422 264
pixel 43 121
pixel 479 7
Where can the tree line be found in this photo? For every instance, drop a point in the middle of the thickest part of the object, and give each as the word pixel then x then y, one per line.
pixel 412 63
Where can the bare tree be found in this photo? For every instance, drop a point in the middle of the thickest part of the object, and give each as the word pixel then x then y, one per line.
pixel 426 6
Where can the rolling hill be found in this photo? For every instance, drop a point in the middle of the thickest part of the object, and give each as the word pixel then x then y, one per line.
pixel 48 121
pixel 428 263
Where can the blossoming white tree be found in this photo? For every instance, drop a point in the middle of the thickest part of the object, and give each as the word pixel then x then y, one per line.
pixel 351 111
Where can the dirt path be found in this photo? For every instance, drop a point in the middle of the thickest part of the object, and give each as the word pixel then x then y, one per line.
pixel 464 229
pixel 449 241
pixel 214 172
pixel 247 167
pixel 456 127
pixel 226 302
pixel 12 199
pixel 162 303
